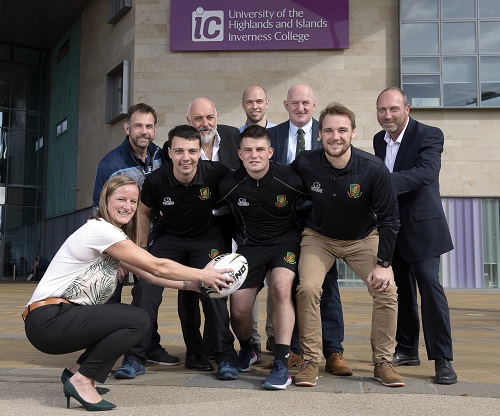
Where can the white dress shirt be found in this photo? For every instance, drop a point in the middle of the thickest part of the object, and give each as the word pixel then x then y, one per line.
pixel 392 148
pixel 215 151
pixel 292 140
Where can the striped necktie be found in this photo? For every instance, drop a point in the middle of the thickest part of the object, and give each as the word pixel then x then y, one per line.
pixel 301 142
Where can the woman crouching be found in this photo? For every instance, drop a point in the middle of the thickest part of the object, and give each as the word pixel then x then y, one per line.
pixel 67 311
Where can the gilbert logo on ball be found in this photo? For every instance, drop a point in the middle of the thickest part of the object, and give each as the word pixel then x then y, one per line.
pixel 234 261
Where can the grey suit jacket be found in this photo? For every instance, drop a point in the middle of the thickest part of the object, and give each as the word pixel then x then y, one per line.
pixel 279 140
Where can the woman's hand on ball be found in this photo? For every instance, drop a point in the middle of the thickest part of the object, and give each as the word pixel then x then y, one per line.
pixel 212 277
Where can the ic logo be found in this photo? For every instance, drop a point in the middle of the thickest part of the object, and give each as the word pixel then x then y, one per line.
pixel 207 26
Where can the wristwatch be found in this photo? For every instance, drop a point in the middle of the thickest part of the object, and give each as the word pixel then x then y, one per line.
pixel 384 263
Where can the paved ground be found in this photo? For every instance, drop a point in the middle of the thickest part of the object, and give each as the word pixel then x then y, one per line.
pixel 29 380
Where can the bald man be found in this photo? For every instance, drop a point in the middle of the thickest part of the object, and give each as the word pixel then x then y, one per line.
pixel 300 104
pixel 219 142
pixel 255 104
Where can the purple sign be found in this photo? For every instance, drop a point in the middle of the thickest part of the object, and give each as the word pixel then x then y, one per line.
pixel 217 25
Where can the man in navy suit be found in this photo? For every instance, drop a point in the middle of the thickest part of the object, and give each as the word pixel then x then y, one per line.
pixel 412 152
pixel 300 104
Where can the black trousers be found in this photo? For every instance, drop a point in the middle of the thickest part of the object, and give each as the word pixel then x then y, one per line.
pixel 116 297
pixel 434 305
pixel 194 252
pixel 106 332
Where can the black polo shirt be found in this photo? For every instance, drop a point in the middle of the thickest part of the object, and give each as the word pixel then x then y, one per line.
pixel 349 203
pixel 264 209
pixel 186 210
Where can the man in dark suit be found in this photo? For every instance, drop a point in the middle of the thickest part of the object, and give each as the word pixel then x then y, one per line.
pixel 219 142
pixel 412 152
pixel 300 104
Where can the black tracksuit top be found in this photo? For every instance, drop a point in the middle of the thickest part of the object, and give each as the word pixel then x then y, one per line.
pixel 187 210
pixel 349 203
pixel 264 209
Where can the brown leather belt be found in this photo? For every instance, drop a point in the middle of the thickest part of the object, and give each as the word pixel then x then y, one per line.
pixel 37 304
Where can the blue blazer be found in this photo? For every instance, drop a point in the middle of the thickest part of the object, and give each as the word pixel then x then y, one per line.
pixel 424 231
pixel 279 140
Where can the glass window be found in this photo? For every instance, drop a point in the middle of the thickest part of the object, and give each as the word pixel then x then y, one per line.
pixel 420 38
pixel 489 37
pixel 62 127
pixel 117 8
pixel 21 165
pixel 420 65
pixel 489 8
pixel 490 81
pixel 448 50
pixel 4 84
pixel 459 81
pixel 418 9
pixel 117 92
pixel 459 38
pixel 3 151
pixel 25 87
pixel 24 120
pixel 453 9
pixel 422 90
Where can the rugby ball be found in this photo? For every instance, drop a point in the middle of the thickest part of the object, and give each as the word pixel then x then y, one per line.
pixel 234 261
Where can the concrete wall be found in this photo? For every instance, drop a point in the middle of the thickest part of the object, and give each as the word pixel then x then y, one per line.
pixel 103 47
pixel 169 81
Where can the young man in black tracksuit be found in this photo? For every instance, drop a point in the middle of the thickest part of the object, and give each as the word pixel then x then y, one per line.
pixel 262 197
pixel 184 192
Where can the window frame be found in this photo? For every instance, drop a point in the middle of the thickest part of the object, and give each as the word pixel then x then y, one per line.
pixel 117 92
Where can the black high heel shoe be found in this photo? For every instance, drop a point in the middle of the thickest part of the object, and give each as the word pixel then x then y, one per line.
pixel 68 374
pixel 70 391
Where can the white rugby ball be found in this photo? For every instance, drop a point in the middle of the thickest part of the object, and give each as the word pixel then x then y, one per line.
pixel 234 261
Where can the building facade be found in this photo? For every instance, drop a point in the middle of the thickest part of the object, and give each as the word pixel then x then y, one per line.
pixel 63 94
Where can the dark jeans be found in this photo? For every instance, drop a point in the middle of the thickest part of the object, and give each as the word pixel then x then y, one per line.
pixel 106 332
pixel 332 319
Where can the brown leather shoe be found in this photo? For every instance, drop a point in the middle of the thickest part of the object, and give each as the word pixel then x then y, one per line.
pixel 336 365
pixel 385 373
pixel 307 375
pixel 294 360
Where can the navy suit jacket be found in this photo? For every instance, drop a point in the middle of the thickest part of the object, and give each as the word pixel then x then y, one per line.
pixel 424 232
pixel 229 145
pixel 279 140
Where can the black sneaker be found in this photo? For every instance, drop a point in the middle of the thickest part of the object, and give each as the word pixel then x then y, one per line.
pixel 246 357
pixel 257 350
pixel 226 371
pixel 162 357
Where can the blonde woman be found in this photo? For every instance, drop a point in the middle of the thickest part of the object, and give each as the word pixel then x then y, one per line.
pixel 67 312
